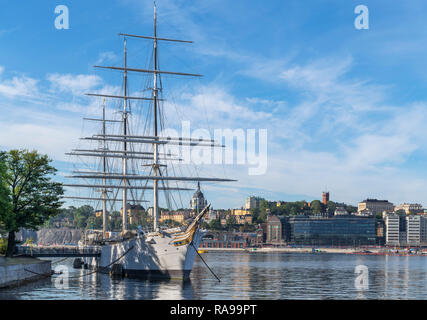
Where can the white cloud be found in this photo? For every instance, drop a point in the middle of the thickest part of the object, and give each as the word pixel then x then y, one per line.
pixel 75 84
pixel 364 143
pixel 53 140
pixel 106 56
pixel 19 86
pixel 214 107
pixel 358 156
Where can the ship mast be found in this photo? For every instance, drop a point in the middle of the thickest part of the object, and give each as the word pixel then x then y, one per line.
pixel 104 170
pixel 125 140
pixel 124 118
pixel 155 145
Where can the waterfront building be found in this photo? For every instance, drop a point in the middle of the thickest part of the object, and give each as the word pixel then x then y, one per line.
pixel 261 234
pixel 409 208
pixel 207 243
pixel 413 230
pixel 363 213
pixel 392 223
pixel 337 230
pixel 241 216
pixel 198 202
pixel 375 206
pixel 134 212
pixel 423 230
pixel 240 212
pixel 340 211
pixel 212 215
pixel 252 202
pixel 276 230
pixel 381 231
pixel 242 219
pixel 227 240
pixel 402 231
pixel 223 221
pixel 177 216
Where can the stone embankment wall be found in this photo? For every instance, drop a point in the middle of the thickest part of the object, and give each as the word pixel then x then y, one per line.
pixel 46 236
pixel 18 271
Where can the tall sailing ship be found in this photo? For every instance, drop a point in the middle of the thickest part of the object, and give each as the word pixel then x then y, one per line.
pixel 128 163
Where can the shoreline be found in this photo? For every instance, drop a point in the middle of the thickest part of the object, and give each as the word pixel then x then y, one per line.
pixel 360 251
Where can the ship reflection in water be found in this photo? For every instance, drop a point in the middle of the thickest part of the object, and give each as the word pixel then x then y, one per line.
pixel 253 276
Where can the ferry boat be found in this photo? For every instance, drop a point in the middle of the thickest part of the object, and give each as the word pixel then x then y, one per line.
pixel 129 162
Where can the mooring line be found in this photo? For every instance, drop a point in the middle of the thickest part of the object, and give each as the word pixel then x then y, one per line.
pixel 204 261
pixel 59 261
pixel 39 274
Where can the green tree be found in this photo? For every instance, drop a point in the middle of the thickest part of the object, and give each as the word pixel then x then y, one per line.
pixel 3 246
pixel 291 209
pixel 115 221
pixel 262 217
pixel 215 224
pixel 316 206
pixel 351 209
pixel 331 206
pixel 230 222
pixel 255 213
pixel 5 195
pixel 81 216
pixel 263 206
pixel 248 227
pixel 34 196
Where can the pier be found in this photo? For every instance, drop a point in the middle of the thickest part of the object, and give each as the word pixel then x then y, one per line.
pixel 59 251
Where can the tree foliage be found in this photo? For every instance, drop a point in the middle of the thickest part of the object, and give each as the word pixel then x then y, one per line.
pixel 215 224
pixel 316 207
pixel 81 216
pixel 34 197
pixel 5 195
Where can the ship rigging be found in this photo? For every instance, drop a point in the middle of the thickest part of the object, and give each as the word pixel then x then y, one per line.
pixel 109 180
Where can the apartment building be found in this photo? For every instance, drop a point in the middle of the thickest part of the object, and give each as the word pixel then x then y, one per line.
pixel 392 225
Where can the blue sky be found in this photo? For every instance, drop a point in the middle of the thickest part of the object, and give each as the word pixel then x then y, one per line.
pixel 345 109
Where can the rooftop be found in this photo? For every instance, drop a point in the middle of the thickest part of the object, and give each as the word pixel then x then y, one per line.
pixel 375 200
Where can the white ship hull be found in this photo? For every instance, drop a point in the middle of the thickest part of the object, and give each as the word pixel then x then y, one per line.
pixel 150 257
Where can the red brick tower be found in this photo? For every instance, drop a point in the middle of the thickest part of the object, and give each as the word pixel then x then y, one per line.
pixel 325 197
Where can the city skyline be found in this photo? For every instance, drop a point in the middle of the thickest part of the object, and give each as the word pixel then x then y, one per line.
pixel 344 108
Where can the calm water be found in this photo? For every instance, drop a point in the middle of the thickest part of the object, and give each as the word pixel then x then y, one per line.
pixel 253 276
